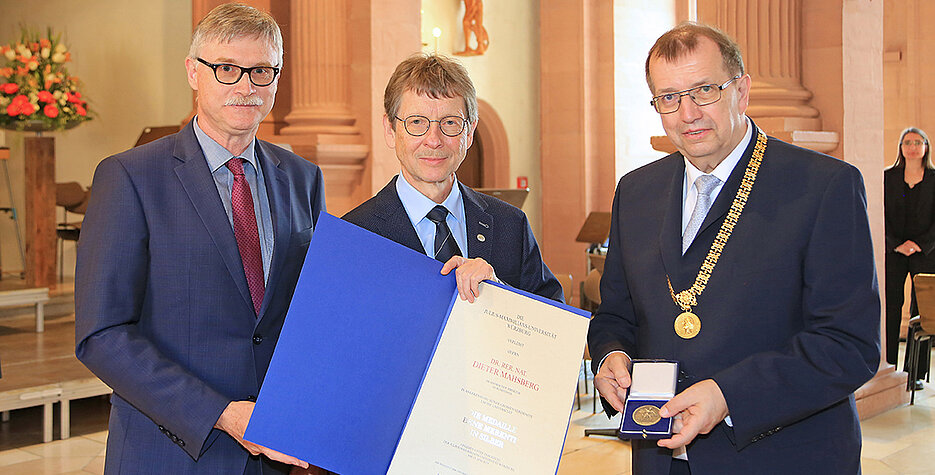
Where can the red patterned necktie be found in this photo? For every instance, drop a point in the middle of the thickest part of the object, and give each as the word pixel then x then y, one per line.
pixel 245 230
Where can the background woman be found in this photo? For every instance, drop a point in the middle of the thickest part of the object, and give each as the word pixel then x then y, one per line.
pixel 909 203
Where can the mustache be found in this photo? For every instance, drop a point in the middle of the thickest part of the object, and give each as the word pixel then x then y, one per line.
pixel 244 101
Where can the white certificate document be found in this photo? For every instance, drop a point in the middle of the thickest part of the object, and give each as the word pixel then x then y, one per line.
pixel 497 396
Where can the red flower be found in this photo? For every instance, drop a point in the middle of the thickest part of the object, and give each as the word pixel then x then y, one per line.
pixel 46 96
pixel 50 111
pixel 74 98
pixel 19 105
pixel 10 88
pixel 81 110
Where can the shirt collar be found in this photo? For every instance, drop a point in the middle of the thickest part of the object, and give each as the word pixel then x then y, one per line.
pixel 724 169
pixel 418 205
pixel 217 155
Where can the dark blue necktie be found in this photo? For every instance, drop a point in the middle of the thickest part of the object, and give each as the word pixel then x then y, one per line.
pixel 445 245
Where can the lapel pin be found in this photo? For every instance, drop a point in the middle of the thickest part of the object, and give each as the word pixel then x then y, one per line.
pixel 481 238
pixel 483 224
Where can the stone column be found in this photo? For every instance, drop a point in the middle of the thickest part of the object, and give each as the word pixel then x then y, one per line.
pixel 320 68
pixel 321 126
pixel 769 35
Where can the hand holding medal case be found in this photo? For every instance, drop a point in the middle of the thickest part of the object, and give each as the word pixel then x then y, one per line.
pixel 652 385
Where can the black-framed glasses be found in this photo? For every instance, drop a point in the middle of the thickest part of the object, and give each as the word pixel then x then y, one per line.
pixel 418 125
pixel 701 95
pixel 913 142
pixel 229 74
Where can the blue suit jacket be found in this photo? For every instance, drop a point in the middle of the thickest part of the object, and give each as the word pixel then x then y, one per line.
pixel 163 312
pixel 509 245
pixel 790 318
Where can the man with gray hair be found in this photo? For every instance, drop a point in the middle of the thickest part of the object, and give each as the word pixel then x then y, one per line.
pixel 188 259
pixel 431 114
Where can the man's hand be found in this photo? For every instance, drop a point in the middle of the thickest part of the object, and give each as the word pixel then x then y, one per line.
pixel 908 248
pixel 469 273
pixel 697 409
pixel 234 421
pixel 613 379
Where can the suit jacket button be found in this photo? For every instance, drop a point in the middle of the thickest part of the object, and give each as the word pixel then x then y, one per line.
pixel 181 443
pixel 257 339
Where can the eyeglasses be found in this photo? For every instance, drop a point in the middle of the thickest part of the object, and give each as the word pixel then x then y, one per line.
pixel 913 142
pixel 701 95
pixel 418 125
pixel 229 74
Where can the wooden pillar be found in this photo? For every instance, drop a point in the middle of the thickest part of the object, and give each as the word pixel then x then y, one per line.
pixel 40 211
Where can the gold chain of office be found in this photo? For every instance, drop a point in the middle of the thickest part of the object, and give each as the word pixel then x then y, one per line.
pixel 688 325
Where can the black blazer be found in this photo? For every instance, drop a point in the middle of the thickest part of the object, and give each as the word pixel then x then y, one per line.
pixel 896 212
pixel 790 318
pixel 508 243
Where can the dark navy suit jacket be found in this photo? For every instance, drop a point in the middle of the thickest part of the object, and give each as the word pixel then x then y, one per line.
pixel 163 312
pixel 508 243
pixel 790 318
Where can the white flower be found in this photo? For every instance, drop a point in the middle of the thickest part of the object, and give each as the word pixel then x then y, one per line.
pixel 4 101
pixel 45 52
pixel 33 65
pixel 58 58
pixel 57 94
pixel 10 55
pixel 60 48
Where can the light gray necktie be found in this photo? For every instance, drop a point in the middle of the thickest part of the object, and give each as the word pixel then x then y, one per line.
pixel 705 184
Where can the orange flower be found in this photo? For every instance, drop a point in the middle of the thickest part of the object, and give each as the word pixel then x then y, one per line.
pixel 19 105
pixel 45 43
pixel 10 88
pixel 81 110
pixel 50 111
pixel 47 97
pixel 6 72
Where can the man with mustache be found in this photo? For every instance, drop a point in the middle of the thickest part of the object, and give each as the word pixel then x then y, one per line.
pixel 187 262
pixel 747 260
pixel 431 114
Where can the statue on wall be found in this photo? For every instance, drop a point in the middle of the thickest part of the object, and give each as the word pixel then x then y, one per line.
pixel 473 23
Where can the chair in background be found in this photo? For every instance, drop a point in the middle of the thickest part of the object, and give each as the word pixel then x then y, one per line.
pixel 921 330
pixel 73 198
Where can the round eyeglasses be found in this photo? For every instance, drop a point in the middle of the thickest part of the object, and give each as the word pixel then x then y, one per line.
pixel 701 95
pixel 229 74
pixel 418 125
pixel 917 143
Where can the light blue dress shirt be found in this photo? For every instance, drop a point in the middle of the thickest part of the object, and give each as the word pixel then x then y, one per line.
pixel 217 156
pixel 418 205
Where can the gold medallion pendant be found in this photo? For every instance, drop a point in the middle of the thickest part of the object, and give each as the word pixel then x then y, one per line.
pixel 687 325
pixel 646 415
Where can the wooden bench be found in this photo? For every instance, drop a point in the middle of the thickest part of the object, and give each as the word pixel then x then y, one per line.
pixel 37 297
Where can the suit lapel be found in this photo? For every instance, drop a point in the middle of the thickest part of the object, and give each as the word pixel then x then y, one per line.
pixel 198 183
pixel 397 225
pixel 670 233
pixel 722 203
pixel 478 223
pixel 280 206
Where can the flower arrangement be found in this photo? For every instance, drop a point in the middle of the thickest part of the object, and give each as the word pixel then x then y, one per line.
pixel 36 92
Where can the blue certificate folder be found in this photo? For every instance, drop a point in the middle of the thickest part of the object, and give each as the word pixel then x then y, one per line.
pixel 357 341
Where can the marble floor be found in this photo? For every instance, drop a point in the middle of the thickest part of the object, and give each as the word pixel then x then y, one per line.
pixel 900 441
